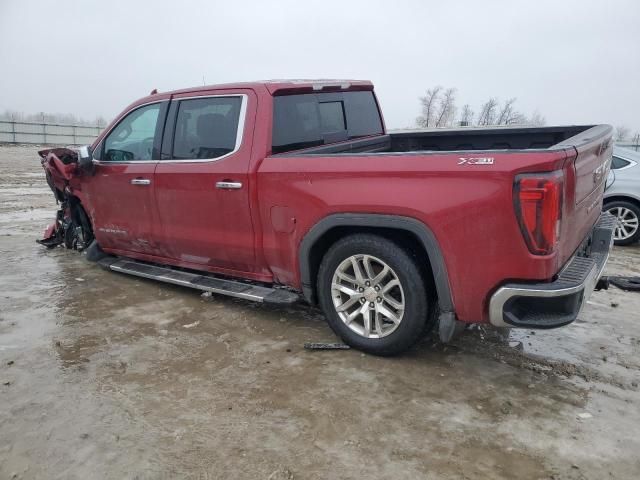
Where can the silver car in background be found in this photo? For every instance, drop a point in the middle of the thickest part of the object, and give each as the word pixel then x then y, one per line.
pixel 622 195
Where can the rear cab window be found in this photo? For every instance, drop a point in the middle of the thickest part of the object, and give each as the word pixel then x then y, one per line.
pixel 313 119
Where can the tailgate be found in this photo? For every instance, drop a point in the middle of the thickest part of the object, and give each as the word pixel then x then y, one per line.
pixel 586 177
pixel 594 148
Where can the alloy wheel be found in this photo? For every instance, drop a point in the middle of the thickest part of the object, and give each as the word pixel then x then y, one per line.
pixel 627 223
pixel 368 296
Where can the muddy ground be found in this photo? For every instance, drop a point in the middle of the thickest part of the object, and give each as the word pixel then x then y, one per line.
pixel 108 376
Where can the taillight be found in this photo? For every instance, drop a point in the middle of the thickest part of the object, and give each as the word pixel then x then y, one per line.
pixel 538 202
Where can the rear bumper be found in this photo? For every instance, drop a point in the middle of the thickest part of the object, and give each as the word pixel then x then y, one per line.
pixel 557 303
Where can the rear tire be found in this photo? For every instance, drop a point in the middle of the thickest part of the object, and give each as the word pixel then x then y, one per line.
pixel 381 308
pixel 627 214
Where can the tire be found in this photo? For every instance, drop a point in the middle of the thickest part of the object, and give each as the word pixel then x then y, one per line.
pixel 398 318
pixel 628 215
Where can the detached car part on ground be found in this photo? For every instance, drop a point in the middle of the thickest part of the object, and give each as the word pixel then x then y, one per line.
pixel 273 191
pixel 622 195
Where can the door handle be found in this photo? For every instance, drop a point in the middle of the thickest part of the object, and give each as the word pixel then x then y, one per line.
pixel 140 181
pixel 227 185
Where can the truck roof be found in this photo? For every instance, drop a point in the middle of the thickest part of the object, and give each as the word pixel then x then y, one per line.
pixel 286 85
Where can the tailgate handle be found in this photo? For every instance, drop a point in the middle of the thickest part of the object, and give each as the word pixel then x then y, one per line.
pixel 228 185
pixel 140 181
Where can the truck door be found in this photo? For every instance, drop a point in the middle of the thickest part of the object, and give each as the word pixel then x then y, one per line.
pixel 120 193
pixel 202 182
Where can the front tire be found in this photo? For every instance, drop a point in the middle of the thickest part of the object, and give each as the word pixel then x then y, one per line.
pixel 373 294
pixel 627 215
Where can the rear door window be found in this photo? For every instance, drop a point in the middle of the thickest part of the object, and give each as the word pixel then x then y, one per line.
pixel 206 128
pixel 309 120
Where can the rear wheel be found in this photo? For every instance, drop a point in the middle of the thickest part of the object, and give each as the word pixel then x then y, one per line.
pixel 373 294
pixel 627 215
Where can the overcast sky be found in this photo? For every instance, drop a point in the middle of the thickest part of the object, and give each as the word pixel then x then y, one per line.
pixel 573 61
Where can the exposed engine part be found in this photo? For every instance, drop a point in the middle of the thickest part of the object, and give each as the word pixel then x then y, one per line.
pixel 71 227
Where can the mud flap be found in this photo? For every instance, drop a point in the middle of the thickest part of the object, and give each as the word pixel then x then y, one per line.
pixel 94 252
pixel 449 327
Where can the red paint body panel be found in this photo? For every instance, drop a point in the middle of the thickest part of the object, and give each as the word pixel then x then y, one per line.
pixel 470 211
pixel 124 216
pixel 202 224
pixel 255 232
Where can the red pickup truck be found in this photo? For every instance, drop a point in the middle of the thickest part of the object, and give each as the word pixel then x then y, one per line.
pixel 270 189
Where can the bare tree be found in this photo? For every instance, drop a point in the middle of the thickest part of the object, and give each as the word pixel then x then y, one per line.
pixel 446 109
pixel 536 120
pixel 429 103
pixel 439 110
pixel 466 117
pixel 487 114
pixel 622 133
pixel 55 118
pixel 504 116
pixel 13 115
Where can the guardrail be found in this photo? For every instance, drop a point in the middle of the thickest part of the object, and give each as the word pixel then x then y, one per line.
pixel 47 133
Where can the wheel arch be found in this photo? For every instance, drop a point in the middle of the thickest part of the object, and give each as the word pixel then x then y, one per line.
pixel 621 198
pixel 328 230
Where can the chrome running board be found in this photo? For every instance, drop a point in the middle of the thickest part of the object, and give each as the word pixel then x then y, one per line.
pixel 203 282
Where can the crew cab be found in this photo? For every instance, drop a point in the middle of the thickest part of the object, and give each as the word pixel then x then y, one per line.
pixel 276 190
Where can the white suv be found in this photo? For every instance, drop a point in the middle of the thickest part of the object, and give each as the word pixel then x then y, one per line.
pixel 622 195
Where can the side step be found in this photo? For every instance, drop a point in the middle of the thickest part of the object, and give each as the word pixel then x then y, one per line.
pixel 207 283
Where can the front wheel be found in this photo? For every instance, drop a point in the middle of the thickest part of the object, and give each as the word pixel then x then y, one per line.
pixel 373 294
pixel 627 230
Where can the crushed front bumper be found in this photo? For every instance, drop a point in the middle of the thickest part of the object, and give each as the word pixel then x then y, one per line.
pixel 556 303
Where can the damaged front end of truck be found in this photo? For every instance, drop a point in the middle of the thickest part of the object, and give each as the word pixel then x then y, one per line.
pixel 63 168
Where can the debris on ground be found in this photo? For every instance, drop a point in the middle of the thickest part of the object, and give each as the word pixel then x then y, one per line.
pixel 584 416
pixel 191 325
pixel 631 284
pixel 326 346
pixel 282 473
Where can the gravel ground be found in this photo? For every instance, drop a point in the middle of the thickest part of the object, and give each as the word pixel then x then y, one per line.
pixel 108 376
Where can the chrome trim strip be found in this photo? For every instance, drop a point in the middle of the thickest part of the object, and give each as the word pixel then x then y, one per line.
pixel 229 185
pixel 239 133
pixel 140 181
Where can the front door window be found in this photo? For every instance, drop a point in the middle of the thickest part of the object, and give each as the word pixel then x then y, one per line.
pixel 132 139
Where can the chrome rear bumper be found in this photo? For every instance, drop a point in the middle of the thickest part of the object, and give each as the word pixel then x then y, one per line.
pixel 557 303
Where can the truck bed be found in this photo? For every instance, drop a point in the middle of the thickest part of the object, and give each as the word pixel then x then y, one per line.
pixel 461 139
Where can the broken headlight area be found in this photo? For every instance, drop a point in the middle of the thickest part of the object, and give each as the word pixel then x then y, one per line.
pixel 71 227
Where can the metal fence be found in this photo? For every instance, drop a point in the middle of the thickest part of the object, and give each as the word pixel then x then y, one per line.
pixel 47 133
